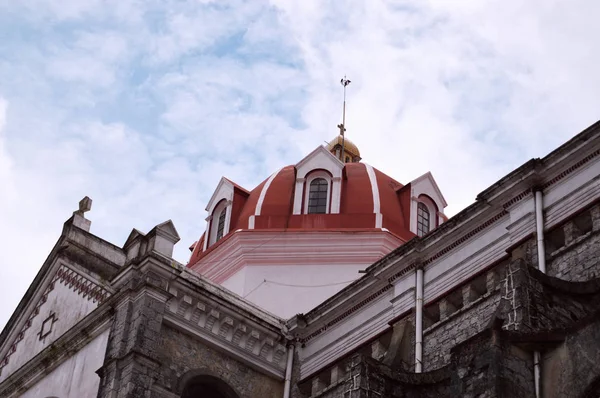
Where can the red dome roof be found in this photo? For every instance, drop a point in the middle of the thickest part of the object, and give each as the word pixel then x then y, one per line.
pixel 361 205
pixel 356 203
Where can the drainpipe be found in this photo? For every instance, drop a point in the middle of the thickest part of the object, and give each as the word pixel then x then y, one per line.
pixel 288 372
pixel 536 372
pixel 419 321
pixel 539 230
pixel 541 249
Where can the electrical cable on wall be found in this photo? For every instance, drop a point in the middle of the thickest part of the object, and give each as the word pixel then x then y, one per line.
pixel 294 285
pixel 323 285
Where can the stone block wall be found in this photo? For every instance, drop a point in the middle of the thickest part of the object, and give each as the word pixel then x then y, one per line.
pixel 461 314
pixel 456 328
pixel 516 374
pixel 180 353
pixel 573 248
pixel 483 366
pixel 572 368
pixel 337 381
pixel 394 348
pixel 577 259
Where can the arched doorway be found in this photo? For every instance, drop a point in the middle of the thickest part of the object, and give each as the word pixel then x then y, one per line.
pixel 205 386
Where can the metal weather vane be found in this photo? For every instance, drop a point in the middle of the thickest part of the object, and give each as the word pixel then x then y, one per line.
pixel 345 82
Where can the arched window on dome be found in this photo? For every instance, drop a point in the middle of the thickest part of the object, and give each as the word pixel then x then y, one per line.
pixel 219 222
pixel 318 196
pixel 423 219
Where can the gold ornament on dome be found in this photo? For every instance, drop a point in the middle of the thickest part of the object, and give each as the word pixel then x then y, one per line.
pixel 349 146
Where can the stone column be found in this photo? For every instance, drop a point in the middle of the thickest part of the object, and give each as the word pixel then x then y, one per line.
pixel 131 361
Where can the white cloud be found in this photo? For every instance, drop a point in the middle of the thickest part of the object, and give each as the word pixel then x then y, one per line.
pixel 145 105
pixel 92 59
pixel 5 162
pixel 455 87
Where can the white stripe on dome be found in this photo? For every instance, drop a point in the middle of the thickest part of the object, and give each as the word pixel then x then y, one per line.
pixel 263 192
pixel 375 191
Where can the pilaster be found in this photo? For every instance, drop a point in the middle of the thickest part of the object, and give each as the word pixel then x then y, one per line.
pixel 131 362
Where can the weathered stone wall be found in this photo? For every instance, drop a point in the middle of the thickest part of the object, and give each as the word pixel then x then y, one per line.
pixel 461 314
pixel 569 369
pixel 484 366
pixel 180 353
pixel 577 261
pixel 573 248
pixel 516 375
pixel 573 367
pixel 440 338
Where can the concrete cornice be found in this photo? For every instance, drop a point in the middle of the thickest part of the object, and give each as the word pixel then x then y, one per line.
pixel 300 248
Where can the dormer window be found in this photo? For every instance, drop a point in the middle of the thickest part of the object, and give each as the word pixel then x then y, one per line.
pixel 423 219
pixel 318 195
pixel 323 196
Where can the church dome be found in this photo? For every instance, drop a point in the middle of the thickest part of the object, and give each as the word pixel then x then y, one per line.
pixel 349 146
pixel 319 193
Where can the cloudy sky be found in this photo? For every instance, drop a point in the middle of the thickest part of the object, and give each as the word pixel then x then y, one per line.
pixel 144 104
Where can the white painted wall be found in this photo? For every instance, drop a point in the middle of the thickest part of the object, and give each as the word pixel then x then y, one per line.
pixel 287 301
pixel 237 283
pixel 76 377
pixel 68 305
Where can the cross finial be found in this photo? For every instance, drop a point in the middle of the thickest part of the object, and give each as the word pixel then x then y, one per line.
pixel 342 128
pixel 85 205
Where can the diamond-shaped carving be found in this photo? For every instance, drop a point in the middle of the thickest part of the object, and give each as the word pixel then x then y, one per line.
pixel 47 325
